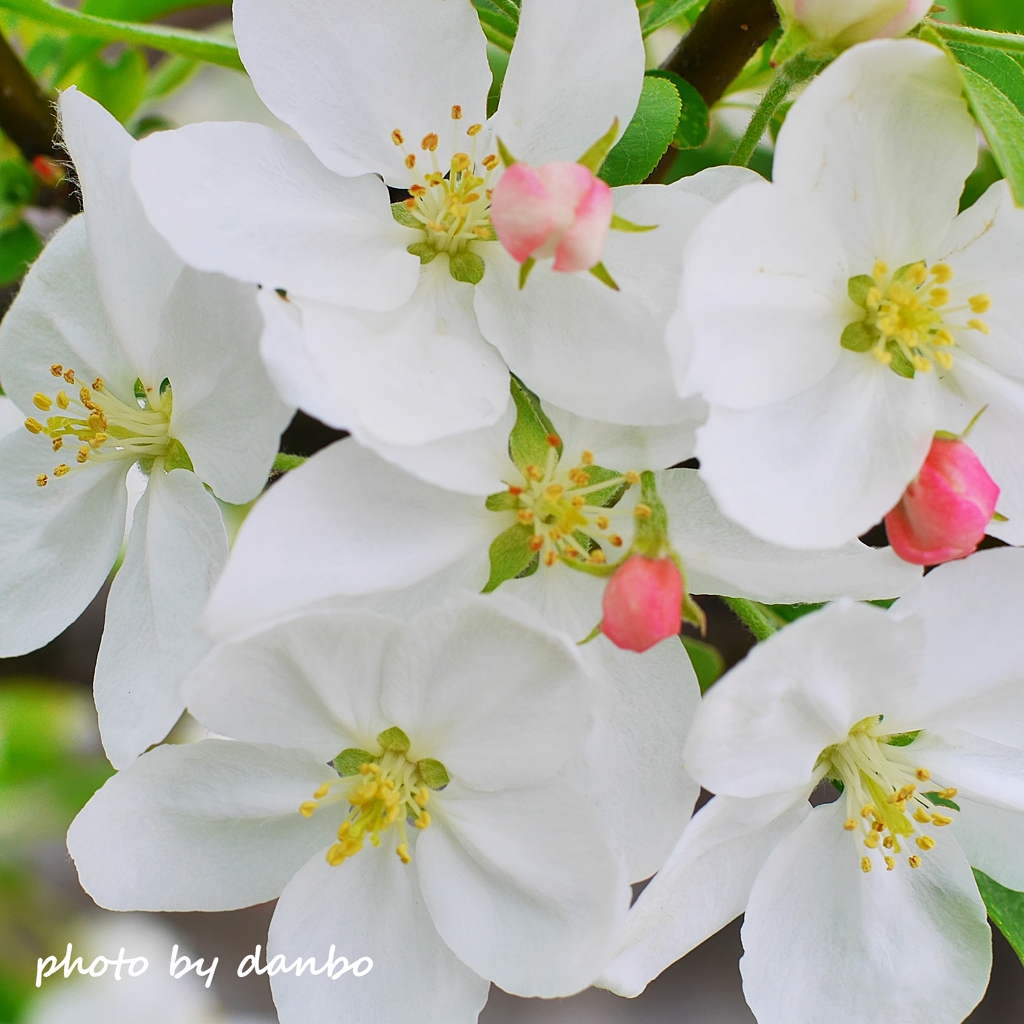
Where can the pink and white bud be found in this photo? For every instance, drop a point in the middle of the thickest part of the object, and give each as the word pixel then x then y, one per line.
pixel 945 511
pixel 560 209
pixel 846 22
pixel 643 603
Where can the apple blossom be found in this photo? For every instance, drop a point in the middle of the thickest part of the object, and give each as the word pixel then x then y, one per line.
pixel 400 788
pixel 643 602
pixel 120 356
pixel 402 310
pixel 845 313
pixel 842 23
pixel 947 508
pixel 866 908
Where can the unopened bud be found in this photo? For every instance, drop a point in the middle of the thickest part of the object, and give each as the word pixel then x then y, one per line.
pixel 643 603
pixel 945 511
pixel 561 209
pixel 842 23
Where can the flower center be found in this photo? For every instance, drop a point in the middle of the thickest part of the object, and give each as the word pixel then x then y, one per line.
pixel 383 791
pixel 570 510
pixel 452 204
pixel 884 806
pixel 907 323
pixel 103 427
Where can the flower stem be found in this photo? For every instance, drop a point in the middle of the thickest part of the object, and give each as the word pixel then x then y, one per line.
pixel 1009 42
pixel 792 73
pixel 758 619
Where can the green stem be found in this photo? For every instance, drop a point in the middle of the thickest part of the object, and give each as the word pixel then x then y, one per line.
pixel 792 73
pixel 1006 41
pixel 197 45
pixel 758 619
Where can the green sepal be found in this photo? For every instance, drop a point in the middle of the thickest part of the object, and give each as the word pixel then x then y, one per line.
pixel 510 554
pixel 424 250
pixel 466 266
pixel 506 157
pixel 524 271
pixel 998 517
pixel 904 739
pixel 610 495
pixel 651 537
pixel 708 663
pixel 404 216
pixel 1006 909
pixel 530 440
pixel 490 236
pixel 599 271
pixel 284 463
pixel 602 570
pixel 348 762
pixel 858 288
pixel 592 635
pixel 795 39
pixel 900 363
pixel 502 501
pixel 859 337
pixel 594 157
pixel 692 612
pixel 433 773
pixel 394 739
pixel 177 458
pixel 941 801
pixel 621 224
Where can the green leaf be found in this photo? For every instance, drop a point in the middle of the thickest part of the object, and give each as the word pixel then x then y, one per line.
pixel 394 739
pixel 510 554
pixel 792 612
pixel 999 15
pixel 433 773
pixel 664 12
pixel 707 662
pixel 994 83
pixel 499 30
pixel 466 266
pixel 1005 908
pixel 647 136
pixel 859 337
pixel 694 122
pixel 284 463
pixel 530 440
pixel 143 10
pixel 19 246
pixel 197 45
pixel 348 762
pixel 120 86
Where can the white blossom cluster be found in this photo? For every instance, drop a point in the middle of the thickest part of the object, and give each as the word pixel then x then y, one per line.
pixel 410 746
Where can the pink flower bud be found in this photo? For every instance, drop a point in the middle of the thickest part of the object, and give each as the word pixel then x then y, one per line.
pixel 945 511
pixel 560 209
pixel 846 22
pixel 643 603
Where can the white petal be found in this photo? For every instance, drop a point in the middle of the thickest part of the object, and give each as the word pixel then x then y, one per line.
pixel 312 681
pixel 283 221
pixel 498 701
pixel 634 776
pixel 135 267
pixel 11 419
pixel 720 557
pixel 296 546
pixel 761 728
pixel 716 183
pixel 57 543
pixel 824 941
pixel 176 550
pixel 59 317
pixel 225 410
pixel 370 906
pixel 412 375
pixel 881 141
pixel 974 661
pixel 584 347
pixel 345 74
pixel 764 296
pixel 523 886
pixel 992 838
pixel 569 600
pixel 568 78
pixel 823 467
pixel 702 887
pixel 212 825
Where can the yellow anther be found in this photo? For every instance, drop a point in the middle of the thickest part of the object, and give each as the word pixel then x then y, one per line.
pixel 940 296
pixel 550 558
pixel 471 198
pixel 922 816
pixel 555 534
pixel 417 190
pixel 865 864
pixel 41 480
pixel 410 203
pixel 615 540
pixel 921 364
pixel 397 137
pixel 403 853
pixel 873 298
pixel 536 542
pixel 97 384
pixel 490 162
pixel 926 842
pixel 914 861
pixel 62 470
pixel 429 143
pixel 887 842
pixel 69 376
pixel 923 775
pixel 410 161
pixel 889 863
pixel 597 557
pixel 944 359
pixel 940 820
pixel 980 303
pixel 882 355
pixel 943 337
pixel 867 811
pixel 62 399
pixel 631 477
pixel 942 273
pixel 336 855
pixel 474 129
pixel 41 401
pixel 57 443
pixel 879 272
pixel 33 426
pixel 533 472
pixel 642 511
pixel 525 516
pixel 979 325
pixel 422 796
pixel 83 455
pixel 603 522
pixel 434 178
pixel 482 232
pixel 98 440
pixel 850 825
pixel 460 162
pixel 423 821
pixel 878 826
pixel 554 492
pixel 948 794
pixel 369 768
pixel 871 840
pixel 322 791
pixel 917 274
pixel 457 112
pixel 307 808
pixel 57 370
pixel 579 501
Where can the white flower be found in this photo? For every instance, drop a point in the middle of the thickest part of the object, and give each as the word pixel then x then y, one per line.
pixel 445 843
pixel 353 527
pixel 121 356
pixel 864 909
pixel 389 347
pixel 813 300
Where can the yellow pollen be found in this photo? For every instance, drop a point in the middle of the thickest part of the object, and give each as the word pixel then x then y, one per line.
pixel 978 325
pixel 922 816
pixel 642 511
pixel 914 861
pixel 632 477
pixel 307 808
pixel 62 399
pixel 865 864
pixel 554 492
pixel 603 522
pixel 889 863
pixel 615 540
pixel 550 558
pixel 940 820
pixel 533 473
pixel 979 303
pixel 57 443
pixel 410 161
pixel 474 129
pixel 851 825
pixel 69 376
pixel 429 143
pixel 942 273
pixel 460 162
pixel 917 274
pixel 403 853
pixel 417 190
pixel 83 455
pixel 97 384
pixel 926 842
pixel 456 113
pixel 525 516
pixel 880 272
pixel 867 811
pixel 947 794
pixel 940 296
pixel 579 501
pixel 871 840
pixel 397 137
pixel 41 401
pixel 923 775
pixel 597 557
pixel 33 426
pixel 423 821
pixel 536 542
pixel 41 480
pixel 410 204
pixel 490 162
pixel 62 470
pixel 56 369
